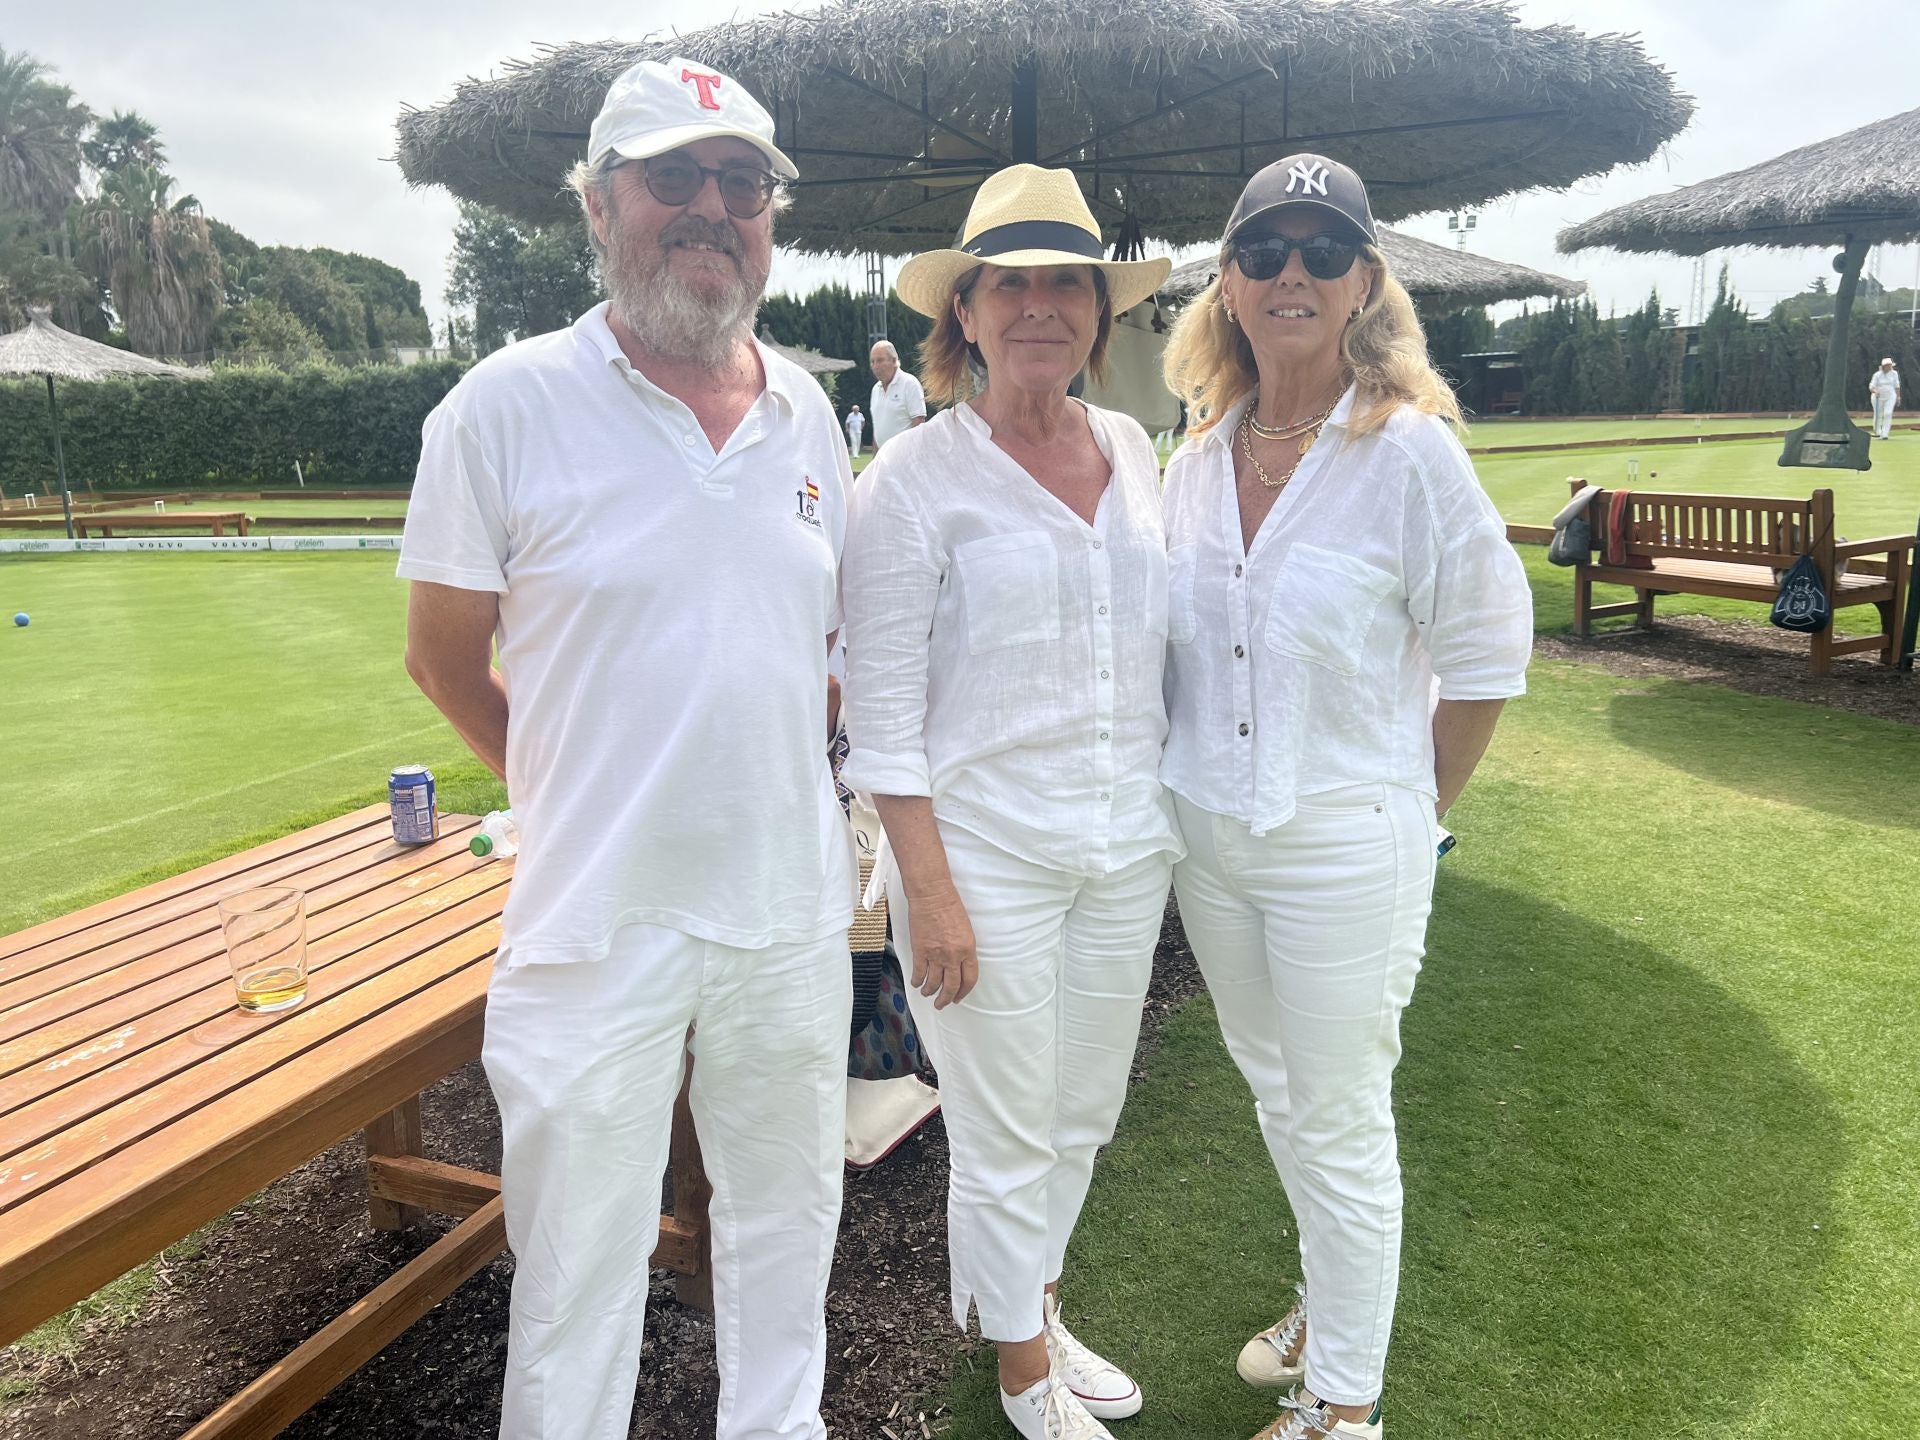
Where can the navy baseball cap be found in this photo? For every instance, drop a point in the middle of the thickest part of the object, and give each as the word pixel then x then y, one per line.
pixel 1304 180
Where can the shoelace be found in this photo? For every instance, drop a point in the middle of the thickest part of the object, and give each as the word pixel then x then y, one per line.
pixel 1306 1421
pixel 1283 1336
pixel 1057 1414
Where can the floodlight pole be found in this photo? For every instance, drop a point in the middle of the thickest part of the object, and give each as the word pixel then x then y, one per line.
pixel 60 459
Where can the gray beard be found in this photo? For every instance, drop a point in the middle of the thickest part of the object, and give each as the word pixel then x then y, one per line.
pixel 668 316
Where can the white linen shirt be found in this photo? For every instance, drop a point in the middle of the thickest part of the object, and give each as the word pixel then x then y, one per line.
pixel 1308 663
pixel 895 407
pixel 664 614
pixel 1004 657
pixel 1884 382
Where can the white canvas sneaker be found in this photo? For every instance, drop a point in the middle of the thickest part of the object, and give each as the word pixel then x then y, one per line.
pixel 1049 1411
pixel 1302 1417
pixel 1102 1387
pixel 1263 1360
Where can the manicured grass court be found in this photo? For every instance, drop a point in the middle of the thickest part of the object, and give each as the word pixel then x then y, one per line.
pixel 1660 1107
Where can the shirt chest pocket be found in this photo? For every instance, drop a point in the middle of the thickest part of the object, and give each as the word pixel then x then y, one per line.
pixel 1323 607
pixel 1009 590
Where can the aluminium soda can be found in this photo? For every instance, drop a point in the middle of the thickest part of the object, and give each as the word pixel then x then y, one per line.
pixel 410 795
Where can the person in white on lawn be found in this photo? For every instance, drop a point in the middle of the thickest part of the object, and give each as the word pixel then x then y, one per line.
pixel 1333 557
pixel 856 424
pixel 1006 588
pixel 1883 390
pixel 897 403
pixel 645 512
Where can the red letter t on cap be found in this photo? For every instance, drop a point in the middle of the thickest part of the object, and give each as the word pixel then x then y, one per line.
pixel 706 84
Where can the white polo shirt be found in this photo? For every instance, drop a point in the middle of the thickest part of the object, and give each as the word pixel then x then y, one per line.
pixel 663 621
pixel 1308 662
pixel 895 407
pixel 1884 382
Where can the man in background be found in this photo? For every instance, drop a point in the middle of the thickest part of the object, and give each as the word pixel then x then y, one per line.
pixel 856 424
pixel 898 403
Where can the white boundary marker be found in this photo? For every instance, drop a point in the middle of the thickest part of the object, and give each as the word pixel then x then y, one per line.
pixel 202 543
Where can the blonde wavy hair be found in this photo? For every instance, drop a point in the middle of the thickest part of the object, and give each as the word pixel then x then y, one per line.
pixel 1209 363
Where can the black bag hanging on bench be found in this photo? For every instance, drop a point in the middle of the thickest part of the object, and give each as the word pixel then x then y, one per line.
pixel 1802 603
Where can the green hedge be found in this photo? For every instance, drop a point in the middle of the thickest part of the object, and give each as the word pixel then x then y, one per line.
pixel 234 429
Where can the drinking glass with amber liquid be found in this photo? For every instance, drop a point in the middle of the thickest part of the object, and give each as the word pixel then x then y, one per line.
pixel 266 934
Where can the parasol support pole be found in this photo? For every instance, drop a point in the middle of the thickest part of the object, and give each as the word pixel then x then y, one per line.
pixel 60 459
pixel 1024 113
pixel 1830 440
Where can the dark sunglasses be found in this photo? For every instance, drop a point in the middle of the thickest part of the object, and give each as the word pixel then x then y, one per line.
pixel 1327 257
pixel 745 190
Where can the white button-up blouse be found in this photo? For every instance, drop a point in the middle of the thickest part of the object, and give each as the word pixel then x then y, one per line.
pixel 1004 657
pixel 1308 662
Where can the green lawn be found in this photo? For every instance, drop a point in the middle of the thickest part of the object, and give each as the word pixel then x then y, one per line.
pixel 164 707
pixel 1659 1110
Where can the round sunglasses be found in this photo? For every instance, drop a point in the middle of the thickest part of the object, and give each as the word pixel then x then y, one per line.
pixel 745 189
pixel 1327 257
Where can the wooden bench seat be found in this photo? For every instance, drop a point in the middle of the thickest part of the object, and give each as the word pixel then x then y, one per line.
pixel 103 525
pixel 1732 547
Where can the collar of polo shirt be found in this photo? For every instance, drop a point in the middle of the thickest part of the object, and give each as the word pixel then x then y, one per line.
pixel 592 328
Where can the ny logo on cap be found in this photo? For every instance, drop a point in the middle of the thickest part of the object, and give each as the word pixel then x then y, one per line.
pixel 1311 177
pixel 707 84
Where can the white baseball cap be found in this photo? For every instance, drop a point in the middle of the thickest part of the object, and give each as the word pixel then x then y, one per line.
pixel 653 108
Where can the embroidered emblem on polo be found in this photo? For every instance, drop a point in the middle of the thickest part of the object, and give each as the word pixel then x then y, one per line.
pixel 706 84
pixel 1311 178
pixel 809 498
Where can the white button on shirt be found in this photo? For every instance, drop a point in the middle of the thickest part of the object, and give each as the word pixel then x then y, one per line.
pixel 664 612
pixel 1005 657
pixel 1307 663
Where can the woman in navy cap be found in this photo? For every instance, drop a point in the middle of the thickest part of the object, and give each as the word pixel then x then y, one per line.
pixel 1335 567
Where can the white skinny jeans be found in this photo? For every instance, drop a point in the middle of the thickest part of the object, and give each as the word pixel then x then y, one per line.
pixel 1033 1063
pixel 1309 938
pixel 585 1062
pixel 1882 414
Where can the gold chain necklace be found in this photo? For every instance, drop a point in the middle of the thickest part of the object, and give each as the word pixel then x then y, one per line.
pixel 1287 432
pixel 1246 444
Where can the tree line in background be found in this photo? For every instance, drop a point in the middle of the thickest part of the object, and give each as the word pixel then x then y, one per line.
pixel 93 224
pixel 1576 361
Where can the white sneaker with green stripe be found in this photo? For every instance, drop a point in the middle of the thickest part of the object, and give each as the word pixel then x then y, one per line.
pixel 1303 1417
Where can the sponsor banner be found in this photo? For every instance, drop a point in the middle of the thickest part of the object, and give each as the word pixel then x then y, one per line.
pixel 199 544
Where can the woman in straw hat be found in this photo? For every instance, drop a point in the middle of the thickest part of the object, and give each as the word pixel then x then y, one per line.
pixel 1335 567
pixel 1006 585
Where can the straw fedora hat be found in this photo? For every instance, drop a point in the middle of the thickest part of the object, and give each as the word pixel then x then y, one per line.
pixel 1026 215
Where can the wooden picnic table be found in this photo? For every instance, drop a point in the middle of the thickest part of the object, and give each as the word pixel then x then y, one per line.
pixel 137 1102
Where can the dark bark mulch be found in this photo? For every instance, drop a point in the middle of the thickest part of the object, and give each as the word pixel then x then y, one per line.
pixel 298 1253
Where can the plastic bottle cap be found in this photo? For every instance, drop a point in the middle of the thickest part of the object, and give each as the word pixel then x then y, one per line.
pixel 481 845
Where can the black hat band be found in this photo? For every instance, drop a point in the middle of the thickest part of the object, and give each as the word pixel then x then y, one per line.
pixel 1035 235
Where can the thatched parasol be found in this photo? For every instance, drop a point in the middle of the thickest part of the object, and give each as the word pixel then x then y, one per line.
pixel 811 361
pixel 41 347
pixel 1439 275
pixel 1855 191
pixel 895 110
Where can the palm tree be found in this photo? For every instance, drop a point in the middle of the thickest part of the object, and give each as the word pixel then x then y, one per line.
pixel 156 258
pixel 128 138
pixel 40 128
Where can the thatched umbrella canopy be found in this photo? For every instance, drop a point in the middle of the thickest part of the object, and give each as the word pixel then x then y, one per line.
pixel 1856 190
pixel 1438 275
pixel 41 347
pixel 1864 186
pixel 895 110
pixel 811 361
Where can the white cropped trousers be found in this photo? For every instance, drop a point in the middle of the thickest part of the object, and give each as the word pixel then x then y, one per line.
pixel 1882 414
pixel 585 1062
pixel 1033 1063
pixel 1310 938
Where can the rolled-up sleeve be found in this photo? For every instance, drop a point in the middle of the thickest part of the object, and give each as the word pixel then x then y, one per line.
pixel 456 531
pixel 1466 588
pixel 890 579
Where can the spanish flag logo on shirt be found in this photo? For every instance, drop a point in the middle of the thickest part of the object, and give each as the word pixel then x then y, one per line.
pixel 813 490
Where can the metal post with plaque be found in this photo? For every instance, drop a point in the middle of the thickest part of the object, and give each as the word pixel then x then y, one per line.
pixel 1830 440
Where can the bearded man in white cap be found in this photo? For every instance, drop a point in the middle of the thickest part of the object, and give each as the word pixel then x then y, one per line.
pixel 645 512
pixel 1883 390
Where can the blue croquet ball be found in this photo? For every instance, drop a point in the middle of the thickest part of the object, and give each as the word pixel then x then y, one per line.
pixel 20 618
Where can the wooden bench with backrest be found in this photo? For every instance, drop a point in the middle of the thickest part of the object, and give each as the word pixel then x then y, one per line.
pixel 104 525
pixel 1735 547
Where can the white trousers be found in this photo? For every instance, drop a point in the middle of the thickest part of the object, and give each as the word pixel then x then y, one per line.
pixel 585 1062
pixel 1882 414
pixel 1033 1063
pixel 1309 938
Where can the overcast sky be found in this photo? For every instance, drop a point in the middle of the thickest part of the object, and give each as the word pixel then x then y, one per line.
pixel 280 117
